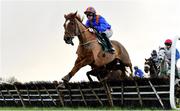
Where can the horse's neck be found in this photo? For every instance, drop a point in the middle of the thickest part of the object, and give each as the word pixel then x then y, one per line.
pixel 85 35
pixel 152 66
pixel 151 63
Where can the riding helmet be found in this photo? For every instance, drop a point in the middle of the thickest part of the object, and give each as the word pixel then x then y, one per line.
pixel 135 67
pixel 90 10
pixel 168 42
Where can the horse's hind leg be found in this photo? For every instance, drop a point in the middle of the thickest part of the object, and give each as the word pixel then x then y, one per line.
pixel 89 77
pixel 130 66
pixel 93 72
pixel 102 79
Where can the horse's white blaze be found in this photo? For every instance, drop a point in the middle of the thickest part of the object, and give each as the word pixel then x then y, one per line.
pixel 67 22
pixel 161 53
pixel 146 65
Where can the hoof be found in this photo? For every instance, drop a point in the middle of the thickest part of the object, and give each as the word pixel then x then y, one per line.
pixel 66 78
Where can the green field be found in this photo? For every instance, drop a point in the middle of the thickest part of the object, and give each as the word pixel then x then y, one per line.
pixel 72 108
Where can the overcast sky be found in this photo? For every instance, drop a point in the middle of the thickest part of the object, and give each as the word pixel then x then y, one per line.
pixel 32 46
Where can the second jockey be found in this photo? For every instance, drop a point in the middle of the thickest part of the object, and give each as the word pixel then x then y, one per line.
pixel 168 44
pixel 138 72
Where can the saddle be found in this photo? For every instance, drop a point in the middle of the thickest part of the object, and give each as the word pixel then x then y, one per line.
pixel 103 41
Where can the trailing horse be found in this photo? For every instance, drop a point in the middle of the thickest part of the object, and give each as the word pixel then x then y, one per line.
pixel 110 72
pixel 151 68
pixel 89 50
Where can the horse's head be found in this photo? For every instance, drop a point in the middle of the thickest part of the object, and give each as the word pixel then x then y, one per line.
pixel 147 65
pixel 71 27
pixel 161 54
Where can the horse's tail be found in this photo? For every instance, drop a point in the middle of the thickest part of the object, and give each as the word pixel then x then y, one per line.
pixel 122 67
pixel 124 72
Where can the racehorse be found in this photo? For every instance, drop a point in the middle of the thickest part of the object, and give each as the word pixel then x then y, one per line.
pixel 151 68
pixel 163 62
pixel 89 50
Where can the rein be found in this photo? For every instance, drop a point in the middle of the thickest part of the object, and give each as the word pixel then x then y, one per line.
pixel 85 30
pixel 82 32
pixel 88 42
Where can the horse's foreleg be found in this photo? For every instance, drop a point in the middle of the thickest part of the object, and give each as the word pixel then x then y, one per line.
pixel 78 65
pixel 131 74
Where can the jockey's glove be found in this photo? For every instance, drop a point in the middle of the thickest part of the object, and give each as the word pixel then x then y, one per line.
pixel 91 30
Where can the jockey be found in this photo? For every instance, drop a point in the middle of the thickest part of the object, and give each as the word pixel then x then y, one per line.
pixel 99 23
pixel 138 72
pixel 168 44
pixel 154 57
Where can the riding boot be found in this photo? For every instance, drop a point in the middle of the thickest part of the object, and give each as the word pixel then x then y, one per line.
pixel 109 45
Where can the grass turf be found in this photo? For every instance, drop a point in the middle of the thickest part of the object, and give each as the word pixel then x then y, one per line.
pixel 73 108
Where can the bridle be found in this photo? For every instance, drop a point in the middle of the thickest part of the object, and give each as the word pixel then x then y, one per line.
pixel 77 31
pixel 67 32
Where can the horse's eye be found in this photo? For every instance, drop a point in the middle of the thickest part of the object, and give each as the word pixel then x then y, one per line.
pixel 72 23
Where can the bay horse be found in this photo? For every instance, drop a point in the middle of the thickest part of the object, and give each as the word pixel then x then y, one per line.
pixel 89 50
pixel 151 68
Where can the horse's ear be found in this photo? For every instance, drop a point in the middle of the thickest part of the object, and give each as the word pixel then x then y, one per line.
pixel 159 47
pixel 75 14
pixel 145 59
pixel 82 18
pixel 65 16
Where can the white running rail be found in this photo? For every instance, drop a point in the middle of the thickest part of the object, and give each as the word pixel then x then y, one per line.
pixel 172 76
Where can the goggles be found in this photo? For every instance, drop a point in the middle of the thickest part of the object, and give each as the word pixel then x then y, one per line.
pixel 167 44
pixel 89 15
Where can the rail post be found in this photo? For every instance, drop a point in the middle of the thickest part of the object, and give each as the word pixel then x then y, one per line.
pixel 172 76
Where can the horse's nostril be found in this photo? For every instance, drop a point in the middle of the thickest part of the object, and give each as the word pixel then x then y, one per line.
pixel 160 59
pixel 66 38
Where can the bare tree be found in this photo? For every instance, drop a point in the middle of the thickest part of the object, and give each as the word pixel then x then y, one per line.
pixel 12 80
